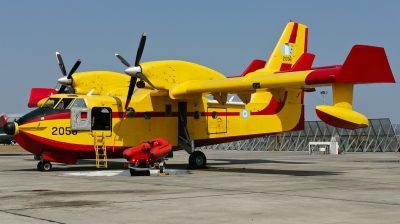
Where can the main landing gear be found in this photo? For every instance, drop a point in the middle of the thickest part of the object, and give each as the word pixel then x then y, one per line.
pixel 197 160
pixel 44 166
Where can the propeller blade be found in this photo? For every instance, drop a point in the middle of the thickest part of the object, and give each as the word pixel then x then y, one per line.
pixel 61 64
pixel 122 60
pixel 144 78
pixel 140 49
pixel 132 84
pixel 62 89
pixel 73 70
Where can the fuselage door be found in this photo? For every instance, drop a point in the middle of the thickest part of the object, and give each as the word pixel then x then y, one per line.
pixel 81 119
pixel 102 120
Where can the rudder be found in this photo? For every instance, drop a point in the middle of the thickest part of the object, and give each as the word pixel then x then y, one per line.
pixel 291 45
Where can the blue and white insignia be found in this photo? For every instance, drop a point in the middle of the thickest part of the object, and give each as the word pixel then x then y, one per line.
pixel 245 113
pixel 287 49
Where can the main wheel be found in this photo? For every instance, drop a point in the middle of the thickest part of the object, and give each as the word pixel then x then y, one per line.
pixel 197 160
pixel 46 166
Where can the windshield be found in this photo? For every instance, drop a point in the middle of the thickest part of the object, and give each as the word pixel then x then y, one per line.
pixel 63 103
pixel 79 103
pixel 50 102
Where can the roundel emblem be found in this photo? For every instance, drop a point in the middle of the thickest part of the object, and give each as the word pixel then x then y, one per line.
pixel 245 113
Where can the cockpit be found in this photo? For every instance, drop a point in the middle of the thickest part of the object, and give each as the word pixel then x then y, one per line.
pixel 64 103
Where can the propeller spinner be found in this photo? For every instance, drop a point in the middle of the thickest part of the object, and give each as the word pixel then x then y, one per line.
pixel 135 71
pixel 66 80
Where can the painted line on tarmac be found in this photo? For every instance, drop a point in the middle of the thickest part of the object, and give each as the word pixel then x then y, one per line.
pixel 27 216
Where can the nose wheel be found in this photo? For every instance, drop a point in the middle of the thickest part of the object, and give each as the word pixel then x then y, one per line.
pixel 44 166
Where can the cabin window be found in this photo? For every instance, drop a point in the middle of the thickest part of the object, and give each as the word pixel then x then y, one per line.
pixel 64 103
pixel 79 103
pixel 101 118
pixel 147 115
pixel 168 110
pixel 214 114
pixel 196 114
pixel 130 112
pixel 50 103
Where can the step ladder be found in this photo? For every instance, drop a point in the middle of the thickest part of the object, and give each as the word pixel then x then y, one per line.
pixel 100 149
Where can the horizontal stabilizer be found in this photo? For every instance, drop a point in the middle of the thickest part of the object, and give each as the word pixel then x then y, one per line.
pixel 366 64
pixel 304 63
pixel 255 65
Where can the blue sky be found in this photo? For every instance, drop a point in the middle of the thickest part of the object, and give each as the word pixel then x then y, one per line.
pixel 223 35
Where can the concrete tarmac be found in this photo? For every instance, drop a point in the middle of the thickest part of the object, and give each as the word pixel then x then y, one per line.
pixel 237 187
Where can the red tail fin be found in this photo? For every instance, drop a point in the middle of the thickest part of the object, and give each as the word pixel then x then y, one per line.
pixel 38 94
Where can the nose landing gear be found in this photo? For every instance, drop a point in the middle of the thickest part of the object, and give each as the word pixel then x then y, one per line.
pixel 44 166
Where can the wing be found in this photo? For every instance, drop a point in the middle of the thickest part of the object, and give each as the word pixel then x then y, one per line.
pixel 364 64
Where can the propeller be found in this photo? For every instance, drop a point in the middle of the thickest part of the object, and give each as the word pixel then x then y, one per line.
pixel 66 80
pixel 135 71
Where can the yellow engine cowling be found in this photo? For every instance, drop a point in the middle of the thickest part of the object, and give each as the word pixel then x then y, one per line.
pixel 341 117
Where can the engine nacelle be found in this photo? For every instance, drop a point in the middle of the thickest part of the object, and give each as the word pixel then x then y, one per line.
pixel 341 117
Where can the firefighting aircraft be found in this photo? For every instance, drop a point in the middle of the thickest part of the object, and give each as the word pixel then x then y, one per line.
pixel 102 113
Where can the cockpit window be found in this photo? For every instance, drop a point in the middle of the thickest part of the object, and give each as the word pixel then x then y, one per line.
pixel 50 102
pixel 64 103
pixel 79 103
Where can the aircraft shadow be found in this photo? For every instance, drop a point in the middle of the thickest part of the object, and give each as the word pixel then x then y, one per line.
pixel 275 171
pixel 12 154
pixel 251 161
pixel 89 165
pixel 221 162
pixel 82 165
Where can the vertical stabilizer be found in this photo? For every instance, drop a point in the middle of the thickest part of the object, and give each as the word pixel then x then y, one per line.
pixel 291 45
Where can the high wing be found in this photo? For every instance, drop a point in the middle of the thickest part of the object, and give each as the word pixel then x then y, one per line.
pixel 364 64
pixel 288 68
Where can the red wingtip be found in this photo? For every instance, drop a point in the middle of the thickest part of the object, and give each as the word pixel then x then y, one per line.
pixel 3 120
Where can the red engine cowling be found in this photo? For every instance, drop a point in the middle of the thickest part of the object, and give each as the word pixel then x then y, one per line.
pixel 148 152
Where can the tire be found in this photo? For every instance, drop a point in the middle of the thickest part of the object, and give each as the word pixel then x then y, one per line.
pixel 46 166
pixel 39 166
pixel 197 160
